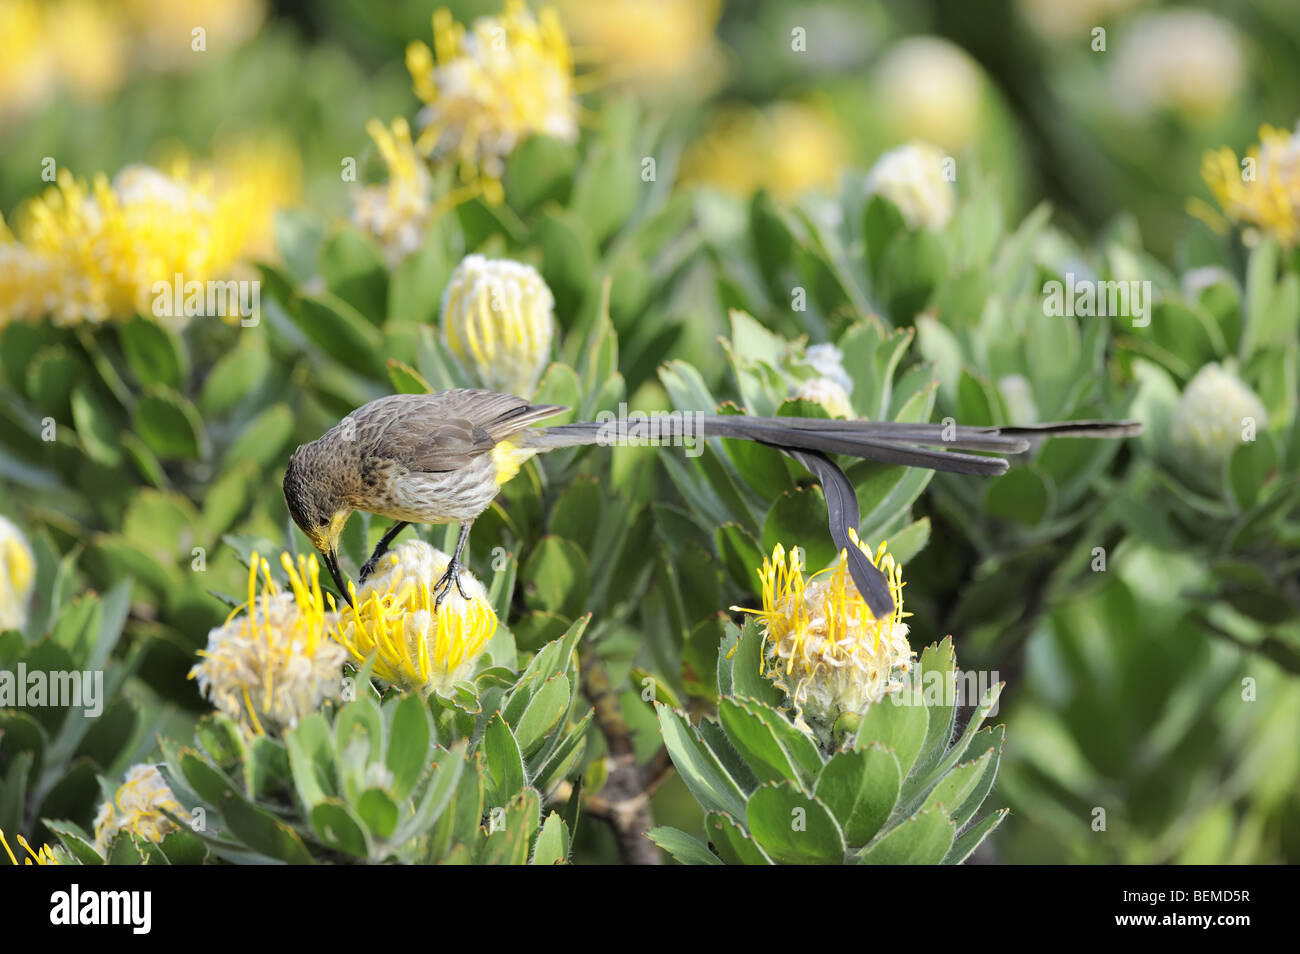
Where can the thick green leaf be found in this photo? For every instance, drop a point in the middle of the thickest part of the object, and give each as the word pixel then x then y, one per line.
pixel 860 787
pixel 792 828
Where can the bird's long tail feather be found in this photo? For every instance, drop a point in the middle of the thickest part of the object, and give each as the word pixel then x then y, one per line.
pixel 810 440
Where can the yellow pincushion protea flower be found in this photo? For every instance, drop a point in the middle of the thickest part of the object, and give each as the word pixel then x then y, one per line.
pixel 17 575
pixel 93 252
pixel 788 148
pixel 415 644
pixel 273 664
pixel 656 45
pixel 823 647
pixel 45 856
pixel 498 319
pixel 490 89
pixel 1264 195
pixel 137 807
pixel 398 212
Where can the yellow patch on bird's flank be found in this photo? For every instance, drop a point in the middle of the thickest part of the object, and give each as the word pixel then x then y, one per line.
pixel 508 458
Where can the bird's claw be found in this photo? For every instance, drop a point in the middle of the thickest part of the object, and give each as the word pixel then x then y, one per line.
pixel 443 586
pixel 366 569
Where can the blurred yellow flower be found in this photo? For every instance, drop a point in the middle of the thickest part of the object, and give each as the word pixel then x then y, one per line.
pixel 93 252
pixel 930 89
pixel 1263 191
pixel 274 664
pixel 498 319
pixel 822 646
pixel 164 29
pixel 657 45
pixel 89 45
pixel 27 68
pixel 137 807
pixel 17 576
pixel 489 90
pixel 416 644
pixel 787 148
pixel 45 856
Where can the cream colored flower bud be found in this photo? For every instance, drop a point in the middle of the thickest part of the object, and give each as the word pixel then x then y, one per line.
pixel 1186 60
pixel 498 318
pixel 17 575
pixel 930 89
pixel 912 177
pixel 830 394
pixel 1216 413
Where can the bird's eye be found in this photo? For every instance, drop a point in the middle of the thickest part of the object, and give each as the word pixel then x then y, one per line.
pixel 324 522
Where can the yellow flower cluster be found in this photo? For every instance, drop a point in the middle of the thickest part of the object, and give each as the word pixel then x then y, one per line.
pixel 488 90
pixel 274 664
pixel 45 856
pixel 91 252
pixel 417 644
pixel 1263 191
pixel 86 46
pixel 787 148
pixel 823 647
pixel 137 807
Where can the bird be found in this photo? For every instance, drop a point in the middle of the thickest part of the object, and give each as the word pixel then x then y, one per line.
pixel 441 457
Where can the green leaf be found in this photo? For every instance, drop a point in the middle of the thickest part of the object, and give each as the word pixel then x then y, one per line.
pixel 756 742
pixel 958 785
pixel 335 824
pixel 539 170
pixel 1021 494
pixel 972 837
pixel 264 439
pixel 96 428
pixel 170 425
pixel 860 787
pixel 683 847
pixel 409 736
pixel 911 269
pixel 405 379
pixel 235 374
pixel 901 726
pixel 792 828
pixel 552 847
pixel 556 577
pixel 504 761
pixel 353 269
pixel 543 714
pixel 378 811
pixel 924 839
pixel 1251 466
pixel 263 832
pixel 732 843
pixel 508 841
pixel 699 768
pixel 341 332
pixel 576 514
pixel 153 353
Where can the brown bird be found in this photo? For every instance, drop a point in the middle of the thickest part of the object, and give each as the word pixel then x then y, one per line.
pixel 441 458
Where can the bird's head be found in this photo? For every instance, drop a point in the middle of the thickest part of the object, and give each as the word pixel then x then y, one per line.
pixel 317 508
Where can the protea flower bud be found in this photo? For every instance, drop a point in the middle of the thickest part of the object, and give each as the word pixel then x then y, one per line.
pixel 498 318
pixel 1216 413
pixel 137 807
pixel 830 394
pixel 417 644
pixel 912 177
pixel 17 574
pixel 930 89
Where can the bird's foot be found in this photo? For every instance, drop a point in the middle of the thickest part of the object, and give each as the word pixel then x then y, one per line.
pixel 443 586
pixel 368 567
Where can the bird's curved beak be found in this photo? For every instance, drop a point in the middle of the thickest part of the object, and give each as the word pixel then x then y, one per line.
pixel 332 561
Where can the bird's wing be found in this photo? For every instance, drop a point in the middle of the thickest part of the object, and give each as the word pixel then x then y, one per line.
pixel 446 430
